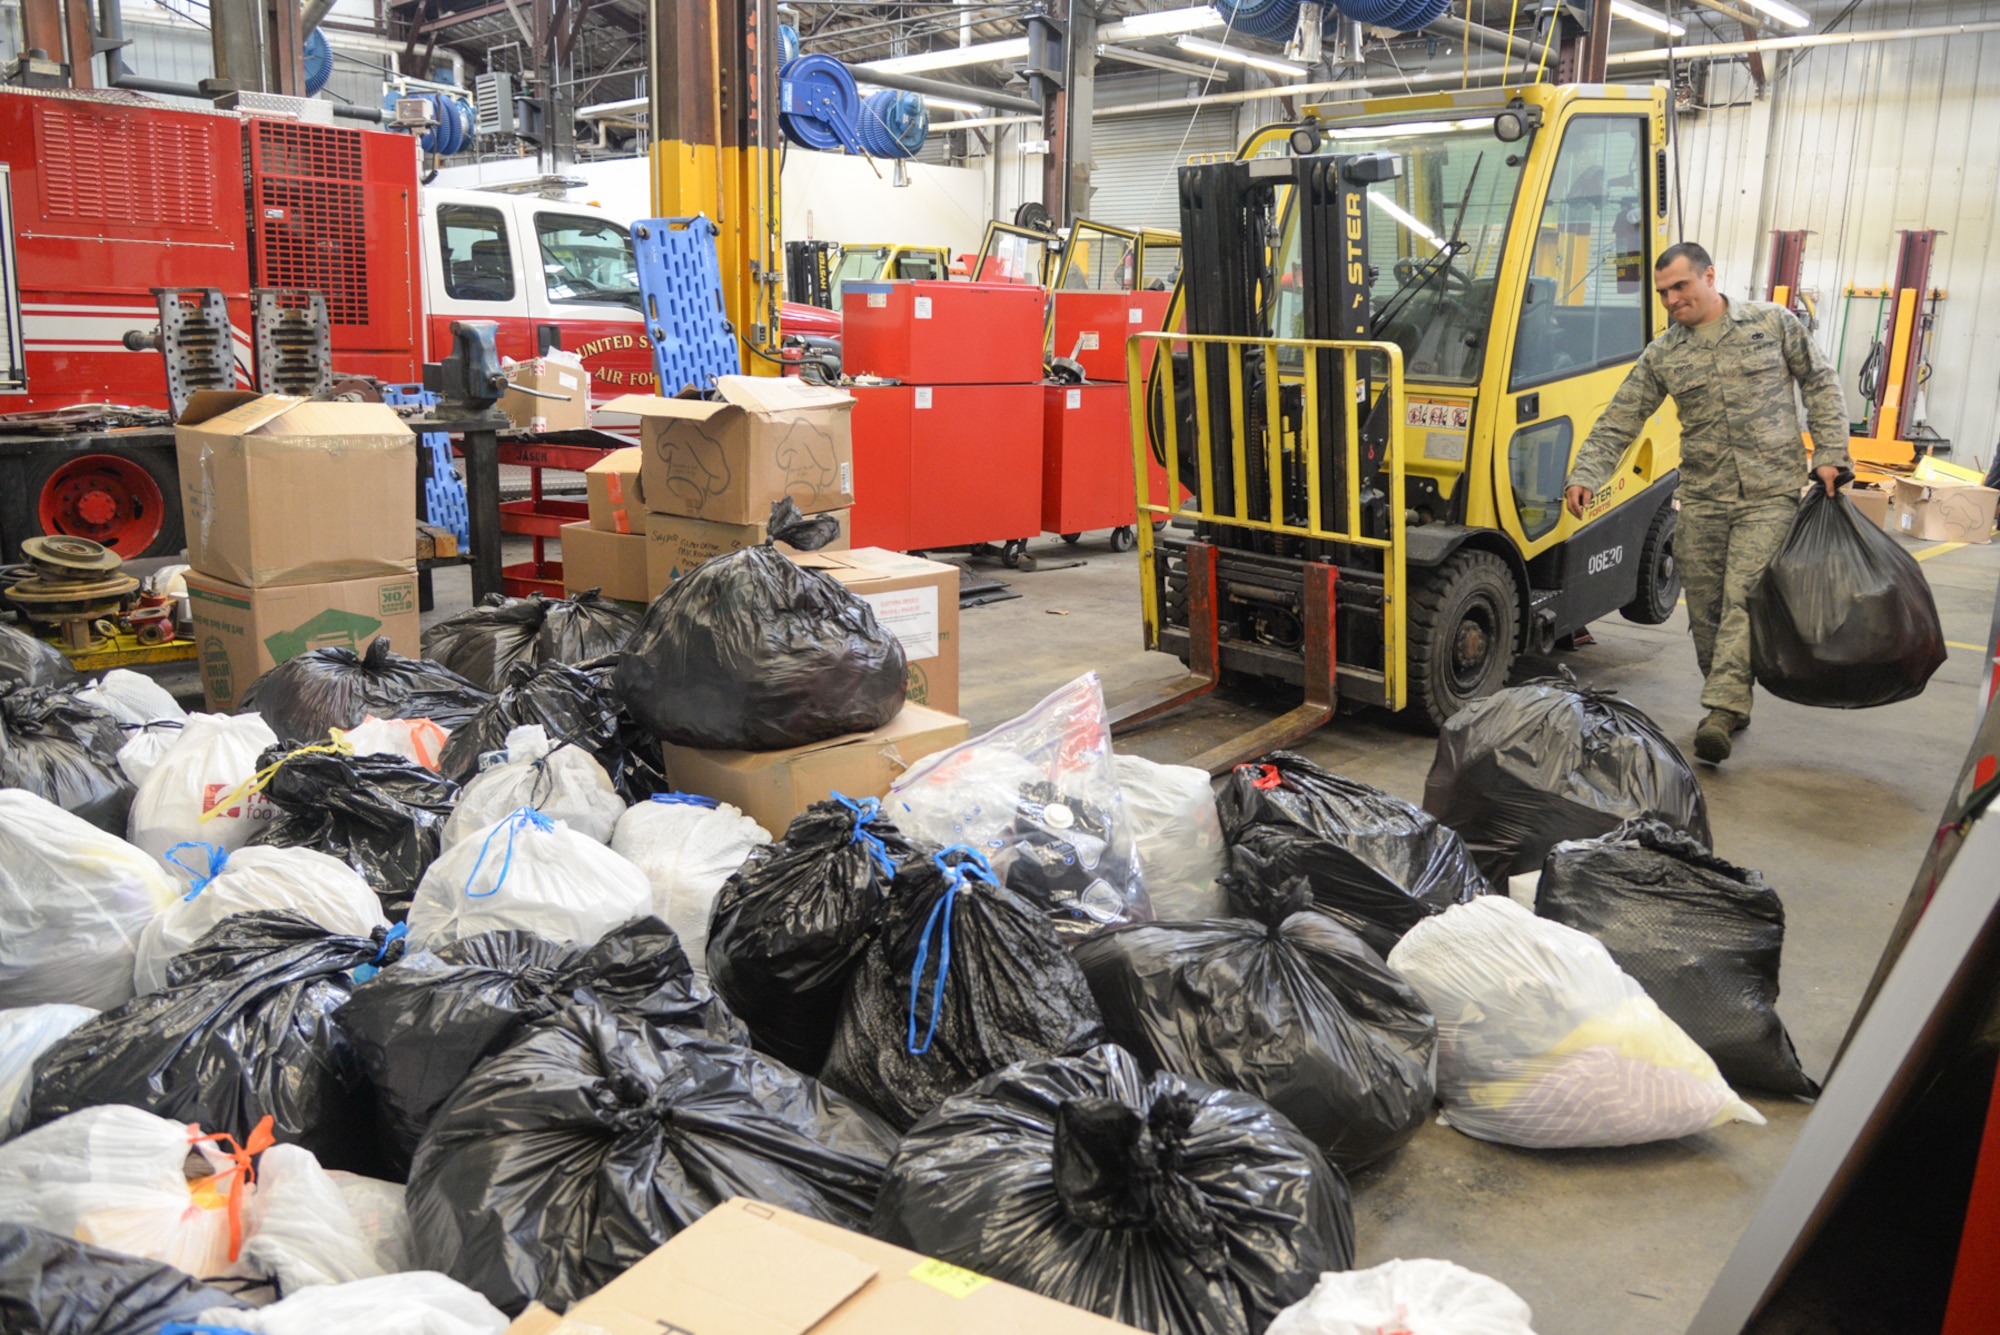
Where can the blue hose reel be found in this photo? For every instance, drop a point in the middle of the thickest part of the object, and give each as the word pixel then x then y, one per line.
pixel 818 104
pixel 319 62
pixel 894 124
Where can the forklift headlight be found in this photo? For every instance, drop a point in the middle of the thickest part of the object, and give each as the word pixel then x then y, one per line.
pixel 1517 122
pixel 1305 140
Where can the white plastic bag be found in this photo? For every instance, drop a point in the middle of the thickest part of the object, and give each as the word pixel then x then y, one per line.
pixel 26 1032
pixel 1039 798
pixel 297 1228
pixel 250 880
pixel 73 901
pixel 214 757
pixel 378 1211
pixel 527 873
pixel 1422 1297
pixel 132 698
pixel 145 746
pixel 422 1302
pixel 1543 1041
pixel 687 847
pixel 1177 835
pixel 417 740
pixel 562 782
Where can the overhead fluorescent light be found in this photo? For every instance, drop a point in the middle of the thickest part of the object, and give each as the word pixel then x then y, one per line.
pixel 1409 129
pixel 1408 220
pixel 1782 12
pixel 1134 56
pixel 951 57
pixel 1161 23
pixel 952 104
pixel 1647 18
pixel 1218 51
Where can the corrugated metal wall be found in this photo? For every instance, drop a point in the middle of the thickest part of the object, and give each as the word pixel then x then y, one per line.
pixel 1855 143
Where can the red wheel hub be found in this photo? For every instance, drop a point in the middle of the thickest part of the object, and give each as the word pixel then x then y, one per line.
pixel 106 499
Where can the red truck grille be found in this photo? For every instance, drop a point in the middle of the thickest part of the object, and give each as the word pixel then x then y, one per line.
pixel 307 205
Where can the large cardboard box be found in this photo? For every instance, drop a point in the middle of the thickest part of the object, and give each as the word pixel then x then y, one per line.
pixel 916 599
pixel 676 544
pixel 766 438
pixel 750 1269
pixel 612 563
pixel 1944 511
pixel 774 786
pixel 242 633
pixel 612 485
pixel 556 374
pixel 278 490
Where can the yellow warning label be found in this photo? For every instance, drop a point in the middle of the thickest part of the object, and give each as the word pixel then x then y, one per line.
pixel 951 1279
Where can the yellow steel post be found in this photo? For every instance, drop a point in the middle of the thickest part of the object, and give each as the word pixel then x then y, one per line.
pixel 1135 392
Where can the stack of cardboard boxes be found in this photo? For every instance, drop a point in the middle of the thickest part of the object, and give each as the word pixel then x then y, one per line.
pixel 301 531
pixel 706 476
pixel 1939 502
pixel 607 551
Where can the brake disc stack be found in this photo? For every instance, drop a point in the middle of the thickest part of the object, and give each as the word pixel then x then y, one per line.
pixel 71 585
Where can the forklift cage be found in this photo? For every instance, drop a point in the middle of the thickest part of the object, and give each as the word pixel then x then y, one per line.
pixel 1320 578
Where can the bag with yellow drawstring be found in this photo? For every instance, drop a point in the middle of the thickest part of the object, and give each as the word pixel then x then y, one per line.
pixel 200 790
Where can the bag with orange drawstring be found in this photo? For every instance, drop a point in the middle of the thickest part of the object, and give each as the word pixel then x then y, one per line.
pixel 243 1032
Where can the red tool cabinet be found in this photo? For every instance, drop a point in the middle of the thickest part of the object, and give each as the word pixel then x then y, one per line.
pixel 946 465
pixel 1087 461
pixel 1092 327
pixel 944 333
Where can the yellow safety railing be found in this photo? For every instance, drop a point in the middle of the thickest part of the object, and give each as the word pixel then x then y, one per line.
pixel 1305 447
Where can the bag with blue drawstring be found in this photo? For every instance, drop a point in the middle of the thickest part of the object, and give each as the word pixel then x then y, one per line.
pixel 687 845
pixel 964 977
pixel 791 926
pixel 561 781
pixel 244 1030
pixel 527 873
pixel 320 888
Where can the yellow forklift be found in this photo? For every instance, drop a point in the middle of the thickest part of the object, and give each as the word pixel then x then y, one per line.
pixel 1397 321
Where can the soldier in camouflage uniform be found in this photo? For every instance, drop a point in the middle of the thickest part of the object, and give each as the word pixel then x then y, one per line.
pixel 1734 369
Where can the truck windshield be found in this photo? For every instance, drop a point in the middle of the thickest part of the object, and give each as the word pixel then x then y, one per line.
pixel 858 264
pixel 587 260
pixel 1435 236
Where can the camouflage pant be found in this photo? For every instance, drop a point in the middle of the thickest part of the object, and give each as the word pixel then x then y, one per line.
pixel 1720 549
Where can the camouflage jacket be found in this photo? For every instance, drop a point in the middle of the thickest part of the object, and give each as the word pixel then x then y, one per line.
pixel 1738 408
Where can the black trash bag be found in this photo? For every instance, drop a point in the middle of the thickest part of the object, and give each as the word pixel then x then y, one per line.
pixel 789 928
pixel 1701 935
pixel 483 642
pixel 1843 617
pixel 321 689
pixel 751 652
pixel 53 1285
pixel 571 703
pixel 244 1029
pixel 28 661
pixel 62 749
pixel 1530 766
pixel 382 815
pixel 596 1137
pixel 420 1026
pixel 964 977
pixel 1291 1006
pixel 1165 1203
pixel 1374 862
pixel 583 627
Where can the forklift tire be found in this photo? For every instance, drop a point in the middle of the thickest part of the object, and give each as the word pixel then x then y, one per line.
pixel 1659 581
pixel 1462 621
pixel 127 499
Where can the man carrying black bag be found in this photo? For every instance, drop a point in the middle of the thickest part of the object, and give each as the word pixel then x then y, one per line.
pixel 1735 370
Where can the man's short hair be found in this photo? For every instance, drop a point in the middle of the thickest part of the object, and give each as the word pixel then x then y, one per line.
pixel 1690 251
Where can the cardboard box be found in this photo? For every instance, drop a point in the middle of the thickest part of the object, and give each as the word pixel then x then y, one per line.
pixel 750 1269
pixel 613 486
pixel 774 786
pixel 279 490
pixel 1872 502
pixel 915 598
pixel 556 374
pixel 1944 511
pixel 612 563
pixel 240 633
pixel 768 437
pixel 676 544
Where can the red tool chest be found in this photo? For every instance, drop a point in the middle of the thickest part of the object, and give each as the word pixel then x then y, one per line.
pixel 1087 460
pixel 946 465
pixel 1092 327
pixel 944 333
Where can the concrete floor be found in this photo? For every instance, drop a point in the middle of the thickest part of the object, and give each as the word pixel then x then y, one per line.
pixel 1836 809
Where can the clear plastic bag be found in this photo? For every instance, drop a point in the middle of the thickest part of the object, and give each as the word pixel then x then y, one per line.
pixel 530 873
pixel 1421 1297
pixel 1038 797
pixel 73 901
pixel 1544 1042
pixel 687 846
pixel 1177 836
pixel 421 1302
pixel 377 1210
pixel 321 888
pixel 203 775
pixel 132 698
pixel 297 1228
pixel 561 781
pixel 26 1032
pixel 417 740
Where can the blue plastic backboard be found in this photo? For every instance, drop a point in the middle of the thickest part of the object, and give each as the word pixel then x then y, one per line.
pixel 444 491
pixel 680 286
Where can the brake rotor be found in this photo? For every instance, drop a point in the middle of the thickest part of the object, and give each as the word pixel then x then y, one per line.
pixel 50 599
pixel 60 556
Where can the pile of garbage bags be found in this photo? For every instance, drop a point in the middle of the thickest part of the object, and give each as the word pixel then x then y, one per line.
pixel 483 643
pixel 304 698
